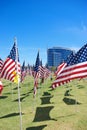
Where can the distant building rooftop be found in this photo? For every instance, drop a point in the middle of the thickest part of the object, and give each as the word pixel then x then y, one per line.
pixel 61 48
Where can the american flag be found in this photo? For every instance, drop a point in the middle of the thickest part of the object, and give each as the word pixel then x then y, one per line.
pixel 23 71
pixel 63 65
pixel 70 58
pixel 47 73
pixel 1 88
pixel 36 73
pixel 76 68
pixel 37 63
pixel 11 66
pixel 41 71
pixel 1 64
pixel 29 70
pixel 60 68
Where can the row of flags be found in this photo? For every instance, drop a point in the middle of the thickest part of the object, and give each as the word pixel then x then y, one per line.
pixel 11 69
pixel 40 72
pixel 75 67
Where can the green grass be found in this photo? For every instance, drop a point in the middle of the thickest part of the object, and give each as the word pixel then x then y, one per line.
pixel 64 108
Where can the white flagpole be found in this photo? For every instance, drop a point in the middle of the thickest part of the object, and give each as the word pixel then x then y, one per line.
pixel 15 40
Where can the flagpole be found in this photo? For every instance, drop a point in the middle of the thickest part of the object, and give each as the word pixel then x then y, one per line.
pixel 15 40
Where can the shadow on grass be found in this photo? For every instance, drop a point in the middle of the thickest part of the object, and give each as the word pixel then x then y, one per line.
pixel 66 116
pixel 8 93
pixel 69 101
pixel 28 92
pixel 42 114
pixel 46 94
pixel 80 86
pixel 45 100
pixel 36 127
pixel 67 93
pixel 24 96
pixel 3 97
pixel 16 88
pixel 10 115
pixel 21 99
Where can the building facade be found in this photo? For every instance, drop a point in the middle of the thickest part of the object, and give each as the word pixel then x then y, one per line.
pixel 57 55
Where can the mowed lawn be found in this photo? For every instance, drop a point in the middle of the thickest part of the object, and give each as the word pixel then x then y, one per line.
pixel 64 108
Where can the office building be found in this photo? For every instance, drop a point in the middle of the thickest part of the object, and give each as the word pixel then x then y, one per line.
pixel 57 55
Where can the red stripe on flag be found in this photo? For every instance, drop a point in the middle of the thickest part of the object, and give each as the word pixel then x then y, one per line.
pixel 71 72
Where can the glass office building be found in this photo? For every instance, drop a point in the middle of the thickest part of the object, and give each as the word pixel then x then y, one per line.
pixel 57 55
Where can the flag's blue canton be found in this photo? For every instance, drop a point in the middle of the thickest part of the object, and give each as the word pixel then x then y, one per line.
pixel 23 66
pixel 80 56
pixel 37 63
pixel 12 54
pixel 70 59
pixel 1 59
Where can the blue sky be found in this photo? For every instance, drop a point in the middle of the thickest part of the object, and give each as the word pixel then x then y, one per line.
pixel 41 24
